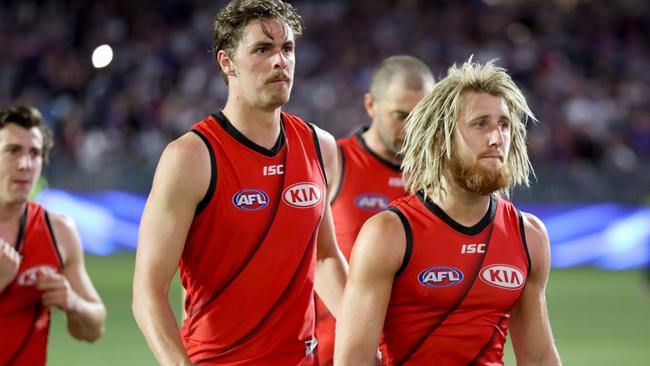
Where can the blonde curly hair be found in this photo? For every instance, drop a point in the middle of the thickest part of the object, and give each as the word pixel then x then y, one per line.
pixel 429 127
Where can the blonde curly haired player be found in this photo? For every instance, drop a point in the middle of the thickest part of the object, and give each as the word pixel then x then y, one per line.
pixel 428 146
pixel 447 271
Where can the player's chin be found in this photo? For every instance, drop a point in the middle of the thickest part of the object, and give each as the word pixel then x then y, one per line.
pixel 20 196
pixel 277 100
pixel 492 165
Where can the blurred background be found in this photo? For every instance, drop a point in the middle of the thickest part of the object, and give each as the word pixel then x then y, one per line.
pixel 117 80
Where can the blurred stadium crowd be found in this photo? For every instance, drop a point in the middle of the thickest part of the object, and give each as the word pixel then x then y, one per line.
pixel 584 66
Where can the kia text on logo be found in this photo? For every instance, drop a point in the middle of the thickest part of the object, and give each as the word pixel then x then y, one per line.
pixel 504 276
pixel 372 202
pixel 302 195
pixel 440 276
pixel 30 276
pixel 250 199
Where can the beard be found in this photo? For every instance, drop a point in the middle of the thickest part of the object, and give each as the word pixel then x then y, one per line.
pixel 474 178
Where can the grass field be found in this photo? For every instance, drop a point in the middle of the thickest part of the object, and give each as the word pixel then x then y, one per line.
pixel 598 318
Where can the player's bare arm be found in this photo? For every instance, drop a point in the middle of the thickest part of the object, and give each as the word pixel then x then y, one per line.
pixel 72 290
pixel 376 256
pixel 335 176
pixel 331 267
pixel 530 329
pixel 180 182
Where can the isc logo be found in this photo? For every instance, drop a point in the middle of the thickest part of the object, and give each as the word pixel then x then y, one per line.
pixel 302 195
pixel 440 276
pixel 30 276
pixel 371 202
pixel 503 276
pixel 395 182
pixel 250 199
pixel 273 170
pixel 472 248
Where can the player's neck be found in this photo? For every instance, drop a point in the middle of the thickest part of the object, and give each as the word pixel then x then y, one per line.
pixel 10 212
pixel 260 126
pixel 376 145
pixel 464 207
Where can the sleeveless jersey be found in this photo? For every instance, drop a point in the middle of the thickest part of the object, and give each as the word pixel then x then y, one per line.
pixel 368 184
pixel 24 320
pixel 451 300
pixel 248 263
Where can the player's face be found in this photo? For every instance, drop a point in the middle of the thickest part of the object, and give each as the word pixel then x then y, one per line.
pixel 21 160
pixel 264 63
pixel 481 144
pixel 389 113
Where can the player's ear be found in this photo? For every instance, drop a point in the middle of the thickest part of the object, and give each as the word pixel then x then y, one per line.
pixel 369 102
pixel 226 63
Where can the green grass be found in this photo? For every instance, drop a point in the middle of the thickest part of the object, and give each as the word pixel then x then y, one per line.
pixel 122 343
pixel 598 318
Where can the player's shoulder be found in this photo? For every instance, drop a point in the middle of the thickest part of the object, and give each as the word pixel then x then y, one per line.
pixel 61 220
pixel 534 227
pixel 537 242
pixel 324 137
pixel 186 153
pixel 384 227
pixel 66 235
pixel 187 144
pixel 382 241
pixel 185 168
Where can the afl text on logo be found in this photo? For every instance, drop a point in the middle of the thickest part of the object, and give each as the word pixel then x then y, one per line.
pixel 250 199
pixel 302 195
pixel 371 202
pixel 440 276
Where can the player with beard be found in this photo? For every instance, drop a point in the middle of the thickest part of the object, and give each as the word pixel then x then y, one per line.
pixel 446 271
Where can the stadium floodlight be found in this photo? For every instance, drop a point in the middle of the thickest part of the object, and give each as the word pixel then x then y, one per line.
pixel 102 56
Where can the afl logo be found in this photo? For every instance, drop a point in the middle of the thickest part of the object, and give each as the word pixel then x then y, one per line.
pixel 503 276
pixel 372 202
pixel 250 199
pixel 30 276
pixel 302 195
pixel 440 276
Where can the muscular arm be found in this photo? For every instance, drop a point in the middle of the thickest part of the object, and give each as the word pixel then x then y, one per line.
pixel 72 290
pixel 166 220
pixel 331 266
pixel 530 329
pixel 376 256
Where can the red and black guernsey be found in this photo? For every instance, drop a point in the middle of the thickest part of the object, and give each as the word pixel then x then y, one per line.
pixel 451 300
pixel 368 184
pixel 25 322
pixel 248 262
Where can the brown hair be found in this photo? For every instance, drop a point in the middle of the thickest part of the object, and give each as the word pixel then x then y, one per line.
pixel 27 117
pixel 230 22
